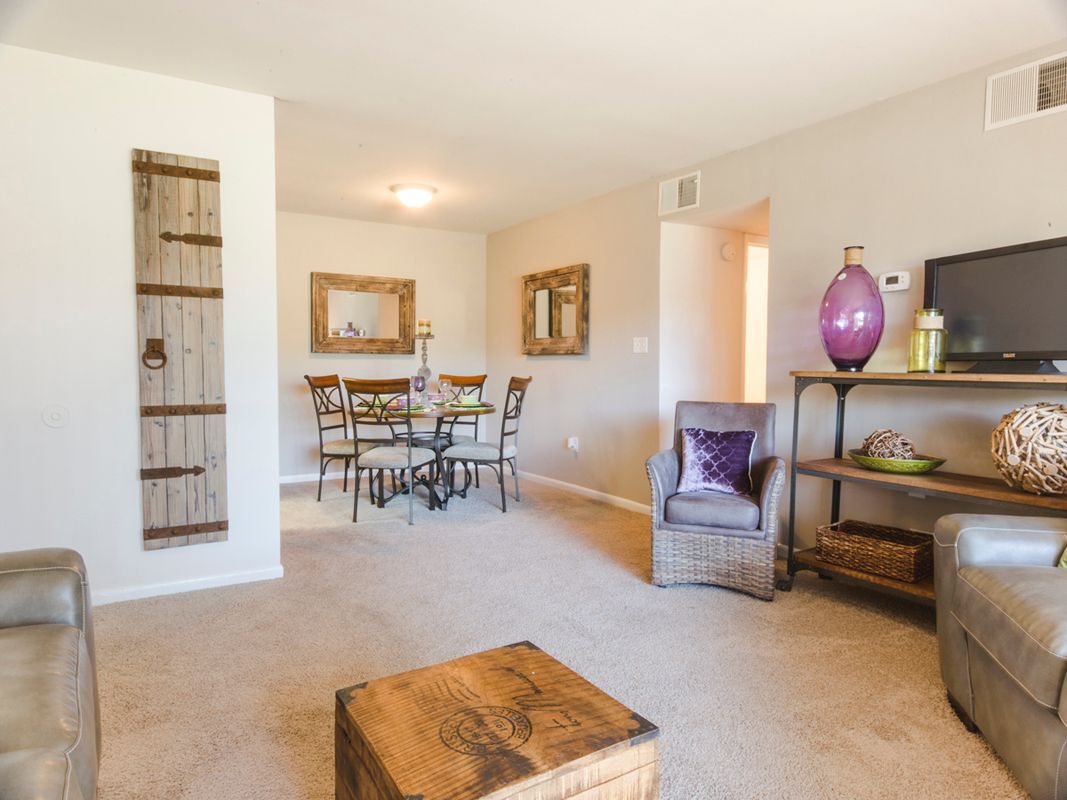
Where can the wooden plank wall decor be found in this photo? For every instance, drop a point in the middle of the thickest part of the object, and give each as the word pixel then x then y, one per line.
pixel 178 250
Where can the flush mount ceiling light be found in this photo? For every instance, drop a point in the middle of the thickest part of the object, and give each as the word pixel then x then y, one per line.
pixel 413 195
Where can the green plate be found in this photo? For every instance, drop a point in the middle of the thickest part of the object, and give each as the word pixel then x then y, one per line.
pixel 911 466
pixel 409 410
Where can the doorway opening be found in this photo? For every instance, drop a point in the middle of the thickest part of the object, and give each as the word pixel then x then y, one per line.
pixel 714 271
pixel 754 358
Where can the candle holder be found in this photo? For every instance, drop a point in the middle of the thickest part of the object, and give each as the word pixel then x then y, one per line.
pixel 424 371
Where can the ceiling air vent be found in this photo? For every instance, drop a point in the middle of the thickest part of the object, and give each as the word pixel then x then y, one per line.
pixel 1022 93
pixel 678 194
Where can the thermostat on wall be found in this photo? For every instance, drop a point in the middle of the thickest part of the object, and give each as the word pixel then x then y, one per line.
pixel 894 281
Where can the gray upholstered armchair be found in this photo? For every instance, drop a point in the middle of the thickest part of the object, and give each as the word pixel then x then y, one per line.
pixel 1002 637
pixel 710 537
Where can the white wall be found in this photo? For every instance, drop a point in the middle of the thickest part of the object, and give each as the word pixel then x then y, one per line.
pixel 68 327
pixel 701 318
pixel 449 273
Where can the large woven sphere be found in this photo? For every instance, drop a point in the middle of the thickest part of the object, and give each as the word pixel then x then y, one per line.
pixel 888 443
pixel 1030 448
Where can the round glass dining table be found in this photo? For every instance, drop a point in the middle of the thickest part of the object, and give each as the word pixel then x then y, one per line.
pixel 438 439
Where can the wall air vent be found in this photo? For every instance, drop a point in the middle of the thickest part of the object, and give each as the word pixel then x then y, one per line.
pixel 1025 92
pixel 678 194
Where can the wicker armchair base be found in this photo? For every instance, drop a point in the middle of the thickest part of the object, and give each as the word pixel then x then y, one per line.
pixel 735 562
pixel 720 556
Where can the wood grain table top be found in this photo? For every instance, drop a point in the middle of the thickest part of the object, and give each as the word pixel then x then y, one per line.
pixel 490 722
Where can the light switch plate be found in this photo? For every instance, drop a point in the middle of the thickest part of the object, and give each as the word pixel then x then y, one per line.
pixel 640 344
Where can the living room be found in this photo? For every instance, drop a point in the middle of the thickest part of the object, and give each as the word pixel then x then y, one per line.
pixel 650 183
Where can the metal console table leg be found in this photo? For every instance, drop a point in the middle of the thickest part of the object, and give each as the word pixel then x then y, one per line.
pixel 841 390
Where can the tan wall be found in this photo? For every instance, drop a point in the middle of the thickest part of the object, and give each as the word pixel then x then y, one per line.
pixel 608 396
pixel 911 178
pixel 449 273
pixel 702 311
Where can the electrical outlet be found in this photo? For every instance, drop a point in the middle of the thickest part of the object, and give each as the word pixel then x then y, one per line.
pixel 640 344
pixel 572 443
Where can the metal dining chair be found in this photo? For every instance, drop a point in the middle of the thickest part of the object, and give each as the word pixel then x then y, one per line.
pixel 374 404
pixel 494 456
pixel 464 385
pixel 330 416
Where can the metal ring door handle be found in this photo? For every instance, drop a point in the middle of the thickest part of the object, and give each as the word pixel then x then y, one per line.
pixel 153 351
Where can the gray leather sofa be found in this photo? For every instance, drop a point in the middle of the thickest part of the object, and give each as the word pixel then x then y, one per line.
pixel 49 725
pixel 1002 635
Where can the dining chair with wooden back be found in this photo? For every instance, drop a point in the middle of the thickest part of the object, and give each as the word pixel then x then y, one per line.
pixel 376 404
pixel 472 385
pixel 330 416
pixel 462 385
pixel 495 456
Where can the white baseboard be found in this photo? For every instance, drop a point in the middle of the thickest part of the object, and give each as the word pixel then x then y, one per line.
pixel 208 582
pixel 592 494
pixel 310 477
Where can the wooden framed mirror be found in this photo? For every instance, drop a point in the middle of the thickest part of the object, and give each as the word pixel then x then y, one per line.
pixel 555 311
pixel 362 314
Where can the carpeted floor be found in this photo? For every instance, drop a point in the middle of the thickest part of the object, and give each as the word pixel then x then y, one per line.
pixel 228 694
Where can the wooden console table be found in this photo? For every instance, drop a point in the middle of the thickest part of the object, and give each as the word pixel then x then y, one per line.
pixel 838 470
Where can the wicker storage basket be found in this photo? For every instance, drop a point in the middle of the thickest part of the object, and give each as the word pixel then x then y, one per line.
pixel 878 549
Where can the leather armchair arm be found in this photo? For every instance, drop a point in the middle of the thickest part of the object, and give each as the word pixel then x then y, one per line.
pixel 768 478
pixel 975 539
pixel 44 586
pixel 663 475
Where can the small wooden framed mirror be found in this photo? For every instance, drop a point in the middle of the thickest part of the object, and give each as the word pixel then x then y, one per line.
pixel 361 314
pixel 555 311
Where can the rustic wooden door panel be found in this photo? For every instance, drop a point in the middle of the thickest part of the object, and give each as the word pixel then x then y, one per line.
pixel 150 326
pixel 215 465
pixel 178 243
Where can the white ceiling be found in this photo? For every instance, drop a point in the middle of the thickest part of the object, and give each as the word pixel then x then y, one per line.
pixel 515 108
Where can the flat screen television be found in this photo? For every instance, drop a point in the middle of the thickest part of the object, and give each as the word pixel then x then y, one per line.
pixel 1005 309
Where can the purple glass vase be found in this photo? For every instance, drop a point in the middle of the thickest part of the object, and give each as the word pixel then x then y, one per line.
pixel 852 316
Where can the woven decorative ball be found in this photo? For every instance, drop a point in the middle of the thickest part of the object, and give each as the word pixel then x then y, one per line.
pixel 1030 448
pixel 888 443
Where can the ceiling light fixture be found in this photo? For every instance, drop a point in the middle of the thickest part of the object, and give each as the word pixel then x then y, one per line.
pixel 413 195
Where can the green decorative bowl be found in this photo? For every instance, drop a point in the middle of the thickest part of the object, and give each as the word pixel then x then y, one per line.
pixel 911 466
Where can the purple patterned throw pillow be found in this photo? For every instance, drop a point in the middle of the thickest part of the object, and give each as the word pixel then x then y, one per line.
pixel 717 461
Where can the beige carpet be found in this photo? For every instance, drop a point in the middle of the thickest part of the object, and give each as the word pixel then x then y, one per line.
pixel 227 694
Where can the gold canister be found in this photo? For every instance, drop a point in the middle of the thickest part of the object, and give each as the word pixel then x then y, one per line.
pixel 929 341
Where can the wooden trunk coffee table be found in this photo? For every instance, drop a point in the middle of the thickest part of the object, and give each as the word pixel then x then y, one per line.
pixel 507 724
